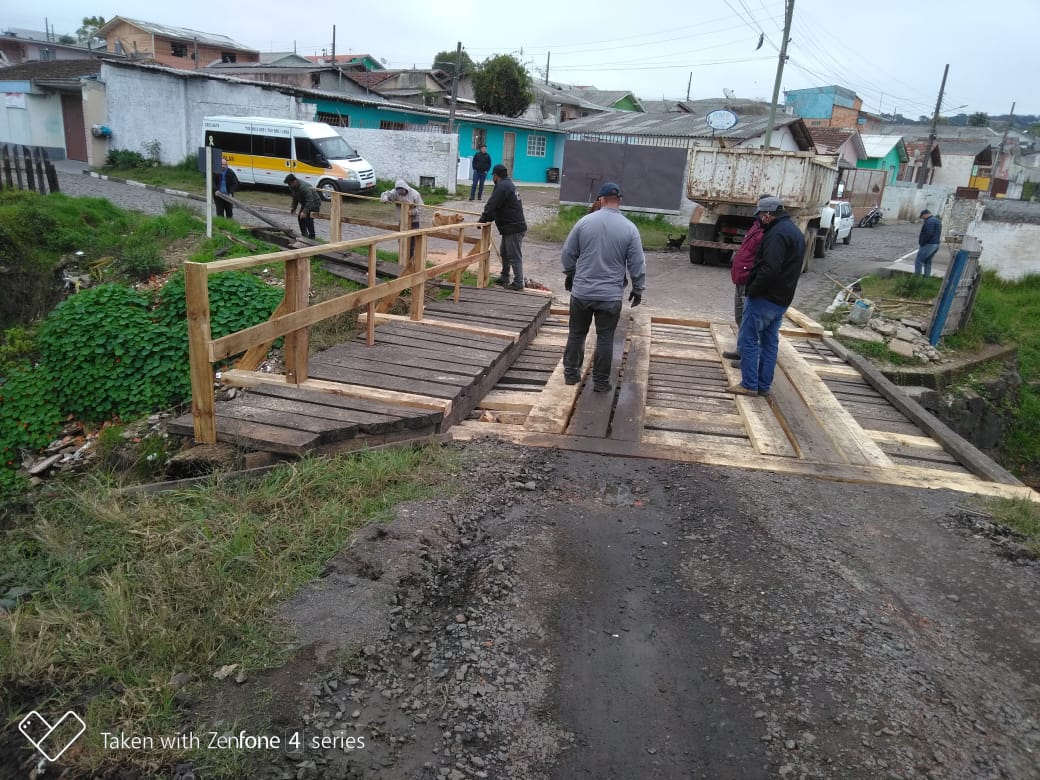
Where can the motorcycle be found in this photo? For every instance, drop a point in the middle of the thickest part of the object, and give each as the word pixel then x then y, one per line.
pixel 871 218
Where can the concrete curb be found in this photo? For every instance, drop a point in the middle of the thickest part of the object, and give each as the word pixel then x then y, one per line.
pixel 142 185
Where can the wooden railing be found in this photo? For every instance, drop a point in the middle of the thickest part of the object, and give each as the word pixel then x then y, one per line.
pixel 293 317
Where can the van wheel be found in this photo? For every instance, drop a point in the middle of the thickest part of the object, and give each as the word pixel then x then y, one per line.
pixel 832 237
pixel 848 239
pixel 326 186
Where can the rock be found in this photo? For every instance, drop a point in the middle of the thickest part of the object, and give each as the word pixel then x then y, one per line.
pixel 901 347
pixel 859 334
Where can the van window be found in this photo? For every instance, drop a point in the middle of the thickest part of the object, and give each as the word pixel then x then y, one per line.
pixel 308 153
pixel 335 148
pixel 267 146
pixel 236 143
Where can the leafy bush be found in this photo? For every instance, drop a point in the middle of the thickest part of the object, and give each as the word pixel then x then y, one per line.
pixel 237 300
pixel 125 158
pixel 29 417
pixel 139 259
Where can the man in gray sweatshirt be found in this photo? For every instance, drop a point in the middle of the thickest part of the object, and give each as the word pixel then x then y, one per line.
pixel 601 253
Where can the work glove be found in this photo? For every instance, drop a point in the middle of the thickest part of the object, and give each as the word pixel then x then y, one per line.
pixel 568 282
pixel 635 298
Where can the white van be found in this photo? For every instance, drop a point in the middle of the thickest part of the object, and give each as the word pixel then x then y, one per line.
pixel 262 151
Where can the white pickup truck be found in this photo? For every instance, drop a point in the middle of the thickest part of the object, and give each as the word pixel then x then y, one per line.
pixel 725 185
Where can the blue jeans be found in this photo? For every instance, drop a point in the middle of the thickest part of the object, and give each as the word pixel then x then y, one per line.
pixel 606 314
pixel 923 261
pixel 479 177
pixel 758 342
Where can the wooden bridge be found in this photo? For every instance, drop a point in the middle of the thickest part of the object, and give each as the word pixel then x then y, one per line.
pixel 487 362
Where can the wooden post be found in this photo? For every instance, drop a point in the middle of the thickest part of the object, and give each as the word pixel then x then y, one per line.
pixel 419 290
pixel 7 166
pixel 52 175
pixel 483 270
pixel 297 289
pixel 370 324
pixel 30 180
pixel 39 171
pixel 404 223
pixel 203 403
pixel 336 218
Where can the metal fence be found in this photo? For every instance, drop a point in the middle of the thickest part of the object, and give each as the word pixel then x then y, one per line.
pixel 25 168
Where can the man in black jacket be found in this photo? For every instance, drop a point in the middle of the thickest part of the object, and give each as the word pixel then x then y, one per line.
pixel 770 290
pixel 225 182
pixel 507 212
pixel 481 165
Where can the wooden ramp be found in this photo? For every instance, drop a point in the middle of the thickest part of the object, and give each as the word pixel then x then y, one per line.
pixel 418 379
pixel 830 415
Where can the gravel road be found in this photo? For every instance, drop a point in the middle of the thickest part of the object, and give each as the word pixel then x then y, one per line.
pixel 578 616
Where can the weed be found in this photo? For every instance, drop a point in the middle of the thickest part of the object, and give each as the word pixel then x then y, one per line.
pixel 1020 515
pixel 114 594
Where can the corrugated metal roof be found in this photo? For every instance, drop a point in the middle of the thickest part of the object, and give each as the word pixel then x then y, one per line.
pixel 672 125
pixel 180 33
pixel 50 70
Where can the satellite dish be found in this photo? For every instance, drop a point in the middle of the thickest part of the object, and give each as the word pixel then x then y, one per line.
pixel 729 93
pixel 723 119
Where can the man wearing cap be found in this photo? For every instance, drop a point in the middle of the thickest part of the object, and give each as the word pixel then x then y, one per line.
pixel 770 290
pixel 602 251
pixel 307 199
pixel 403 194
pixel 506 210
pixel 927 243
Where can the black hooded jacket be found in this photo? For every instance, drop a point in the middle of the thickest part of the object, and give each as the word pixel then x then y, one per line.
pixel 778 266
pixel 505 208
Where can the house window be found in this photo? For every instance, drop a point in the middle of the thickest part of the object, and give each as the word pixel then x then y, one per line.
pixel 333 120
pixel 479 137
pixel 179 49
pixel 389 125
pixel 228 56
pixel 536 146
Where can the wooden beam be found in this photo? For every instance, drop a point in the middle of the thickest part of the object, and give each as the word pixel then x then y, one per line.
pixel 253 378
pixel 203 400
pixel 804 321
pixel 630 409
pixel 459 327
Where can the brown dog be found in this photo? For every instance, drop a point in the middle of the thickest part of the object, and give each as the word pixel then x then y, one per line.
pixel 447 219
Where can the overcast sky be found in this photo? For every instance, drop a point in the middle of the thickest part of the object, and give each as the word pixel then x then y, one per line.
pixel 890 52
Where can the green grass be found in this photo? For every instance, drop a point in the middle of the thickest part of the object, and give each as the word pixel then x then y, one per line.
pixel 1020 515
pixel 116 593
pixel 653 230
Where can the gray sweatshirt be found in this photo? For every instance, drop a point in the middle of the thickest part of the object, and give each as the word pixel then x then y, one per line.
pixel 602 248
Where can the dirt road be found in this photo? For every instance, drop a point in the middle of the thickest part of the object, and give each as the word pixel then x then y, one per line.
pixel 577 616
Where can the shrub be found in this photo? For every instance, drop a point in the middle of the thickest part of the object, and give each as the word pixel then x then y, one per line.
pixel 29 418
pixel 237 300
pixel 125 158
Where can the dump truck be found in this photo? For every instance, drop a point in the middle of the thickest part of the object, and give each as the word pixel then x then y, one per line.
pixel 725 185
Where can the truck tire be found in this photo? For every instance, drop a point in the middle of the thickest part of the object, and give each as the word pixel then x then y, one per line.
pixel 848 239
pixel 820 244
pixel 697 255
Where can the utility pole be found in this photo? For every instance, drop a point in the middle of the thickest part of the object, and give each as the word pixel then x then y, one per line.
pixel 788 16
pixel 547 67
pixel 923 172
pixel 454 89
pixel 335 64
pixel 1000 150
pixel 689 83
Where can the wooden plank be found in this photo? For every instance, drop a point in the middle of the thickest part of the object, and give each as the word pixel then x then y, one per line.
pixel 964 451
pixel 907 476
pixel 449 375
pixel 827 371
pixel 677 321
pixel 458 362
pixel 553 409
pixel 630 408
pixel 253 378
pixel 720 444
pixel 683 353
pixel 508 401
pixel 266 438
pixel 387 382
pixel 333 414
pixel 764 427
pixel 804 321
pixel 200 366
pixel 652 423
pixel 831 416
pixel 457 327
pixel 694 416
pixel 327 430
pixel 418 333
pixel 592 412
pixel 919 442
pixel 379 415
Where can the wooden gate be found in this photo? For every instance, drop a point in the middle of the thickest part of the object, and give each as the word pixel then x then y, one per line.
pixel 27 169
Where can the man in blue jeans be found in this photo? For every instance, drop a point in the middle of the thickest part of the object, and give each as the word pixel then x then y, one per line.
pixel 770 290
pixel 481 166
pixel 602 251
pixel 928 243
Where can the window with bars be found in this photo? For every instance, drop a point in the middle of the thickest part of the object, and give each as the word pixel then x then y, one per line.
pixel 387 124
pixel 333 120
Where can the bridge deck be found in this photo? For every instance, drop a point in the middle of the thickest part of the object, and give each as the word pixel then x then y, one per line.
pixel 491 365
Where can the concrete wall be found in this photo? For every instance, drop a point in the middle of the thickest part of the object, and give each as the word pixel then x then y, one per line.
pixel 1010 236
pixel 904 201
pixel 168 108
pixel 955 170
pixel 403 154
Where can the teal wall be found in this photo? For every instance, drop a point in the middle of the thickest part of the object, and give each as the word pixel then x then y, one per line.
pixel 890 163
pixel 818 102
pixel 526 168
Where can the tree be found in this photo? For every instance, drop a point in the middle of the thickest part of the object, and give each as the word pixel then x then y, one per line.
pixel 91 24
pixel 978 119
pixel 445 60
pixel 501 85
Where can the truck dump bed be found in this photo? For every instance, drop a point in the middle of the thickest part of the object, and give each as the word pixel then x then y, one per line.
pixel 739 176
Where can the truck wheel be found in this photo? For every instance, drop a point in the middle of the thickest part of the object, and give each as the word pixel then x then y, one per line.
pixel 697 255
pixel 326 186
pixel 820 245
pixel 711 256
pixel 848 239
